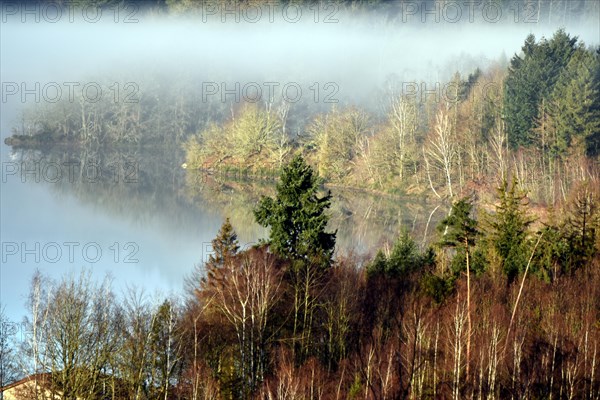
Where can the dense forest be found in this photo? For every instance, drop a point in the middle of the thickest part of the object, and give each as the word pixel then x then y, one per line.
pixel 500 306
pixel 504 302
pixel 539 118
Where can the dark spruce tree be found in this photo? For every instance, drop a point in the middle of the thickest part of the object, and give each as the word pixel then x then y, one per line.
pixel 297 216
pixel 510 229
pixel 459 232
pixel 593 141
pixel 576 104
pixel 531 79
pixel 224 246
pixel 520 97
pixel 298 220
pixel 582 227
pixel 404 258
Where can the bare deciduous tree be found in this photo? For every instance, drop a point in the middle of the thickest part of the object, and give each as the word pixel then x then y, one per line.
pixel 244 291
pixel 440 148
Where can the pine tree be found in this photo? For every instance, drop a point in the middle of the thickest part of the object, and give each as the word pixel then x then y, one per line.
pixel 509 229
pixel 165 349
pixel 459 232
pixel 297 216
pixel 531 78
pixel 520 96
pixel 553 254
pixel 582 226
pixel 405 257
pixel 379 264
pixel 224 246
pixel 298 220
pixel 576 98
pixel 593 140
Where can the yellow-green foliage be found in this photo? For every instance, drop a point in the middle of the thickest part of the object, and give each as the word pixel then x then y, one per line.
pixel 250 139
pixel 334 141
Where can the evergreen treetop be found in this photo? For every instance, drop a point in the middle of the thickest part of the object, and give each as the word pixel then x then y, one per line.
pixel 225 245
pixel 297 216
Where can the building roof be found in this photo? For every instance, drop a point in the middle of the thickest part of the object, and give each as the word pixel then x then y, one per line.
pixel 35 377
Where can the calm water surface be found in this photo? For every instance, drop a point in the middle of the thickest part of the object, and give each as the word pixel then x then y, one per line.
pixel 134 213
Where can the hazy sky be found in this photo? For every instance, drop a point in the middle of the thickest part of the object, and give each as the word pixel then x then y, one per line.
pixel 357 53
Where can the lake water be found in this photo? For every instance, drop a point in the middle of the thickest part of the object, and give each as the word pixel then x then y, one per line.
pixel 136 214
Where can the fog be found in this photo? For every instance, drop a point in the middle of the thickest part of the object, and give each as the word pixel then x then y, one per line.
pixel 358 53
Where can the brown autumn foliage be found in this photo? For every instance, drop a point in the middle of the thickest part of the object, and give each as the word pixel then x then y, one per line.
pixel 378 338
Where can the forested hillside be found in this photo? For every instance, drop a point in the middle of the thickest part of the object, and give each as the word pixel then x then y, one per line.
pixel 502 303
pixel 539 118
pixel 500 306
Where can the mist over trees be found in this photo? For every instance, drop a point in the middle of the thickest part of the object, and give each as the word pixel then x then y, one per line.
pixel 523 11
pixel 504 303
pixel 538 118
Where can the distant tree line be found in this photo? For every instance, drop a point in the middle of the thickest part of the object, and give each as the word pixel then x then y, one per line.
pixel 429 11
pixel 149 109
pixel 540 118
